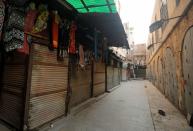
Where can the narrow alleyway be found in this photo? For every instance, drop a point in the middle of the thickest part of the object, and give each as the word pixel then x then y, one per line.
pixel 126 109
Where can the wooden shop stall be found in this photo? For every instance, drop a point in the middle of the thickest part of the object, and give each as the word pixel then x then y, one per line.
pixel 113 71
pixel 52 60
pixel 34 82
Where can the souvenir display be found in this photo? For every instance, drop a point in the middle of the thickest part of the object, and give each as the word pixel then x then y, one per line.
pixel 72 44
pixel 14 32
pixel 2 14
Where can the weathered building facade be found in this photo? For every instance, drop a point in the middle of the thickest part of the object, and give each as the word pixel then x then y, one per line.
pixel 169 55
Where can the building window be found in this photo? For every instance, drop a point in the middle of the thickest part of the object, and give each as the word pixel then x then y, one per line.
pixel 164 13
pixel 177 2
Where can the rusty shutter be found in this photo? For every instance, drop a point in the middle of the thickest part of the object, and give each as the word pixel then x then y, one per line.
pixel 48 86
pixel 12 87
pixel 99 78
pixel 81 85
pixel 187 63
pixel 109 77
pixel 170 74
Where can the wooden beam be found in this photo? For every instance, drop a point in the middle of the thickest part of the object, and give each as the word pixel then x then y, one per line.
pixel 108 3
pixel 93 6
pixel 82 1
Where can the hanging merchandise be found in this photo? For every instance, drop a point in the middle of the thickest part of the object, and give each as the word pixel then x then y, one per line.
pixel 17 2
pixel 30 17
pixel 14 34
pixel 41 22
pixel 28 25
pixel 2 15
pixel 72 44
pixel 81 56
pixel 55 29
pixel 63 39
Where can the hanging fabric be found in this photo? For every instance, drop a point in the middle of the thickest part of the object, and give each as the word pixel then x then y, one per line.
pixel 14 32
pixel 28 26
pixel 2 15
pixel 72 41
pixel 81 56
pixel 55 29
pixel 41 22
pixel 63 40
pixel 17 2
pixel 30 18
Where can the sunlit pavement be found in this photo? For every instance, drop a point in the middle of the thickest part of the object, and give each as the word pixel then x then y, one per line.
pixel 132 107
pixel 124 109
pixel 127 108
pixel 173 119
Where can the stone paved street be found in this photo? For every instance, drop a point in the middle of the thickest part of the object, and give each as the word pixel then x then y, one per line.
pixel 125 109
pixel 131 107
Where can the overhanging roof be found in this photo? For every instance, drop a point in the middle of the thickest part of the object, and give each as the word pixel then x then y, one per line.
pixel 109 24
pixel 102 6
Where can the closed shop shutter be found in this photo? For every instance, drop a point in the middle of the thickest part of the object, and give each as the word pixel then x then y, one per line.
pixel 80 85
pixel 99 78
pixel 124 74
pixel 12 90
pixel 48 86
pixel 116 78
pixel 109 77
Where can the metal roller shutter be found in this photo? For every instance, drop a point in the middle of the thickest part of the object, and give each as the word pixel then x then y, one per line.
pixel 99 78
pixel 116 78
pixel 48 86
pixel 80 85
pixel 109 77
pixel 12 90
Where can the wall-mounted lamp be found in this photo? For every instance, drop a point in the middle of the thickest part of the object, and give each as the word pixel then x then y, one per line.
pixel 158 24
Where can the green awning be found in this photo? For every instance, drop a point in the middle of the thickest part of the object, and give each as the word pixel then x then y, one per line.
pixel 97 6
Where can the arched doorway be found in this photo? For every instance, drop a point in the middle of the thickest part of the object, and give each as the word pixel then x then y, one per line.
pixel 171 89
pixel 160 75
pixel 187 63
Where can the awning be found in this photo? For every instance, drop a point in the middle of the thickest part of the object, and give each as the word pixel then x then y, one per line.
pixel 86 6
pixel 109 24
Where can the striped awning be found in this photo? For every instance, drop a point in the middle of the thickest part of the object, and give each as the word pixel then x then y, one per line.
pixel 97 6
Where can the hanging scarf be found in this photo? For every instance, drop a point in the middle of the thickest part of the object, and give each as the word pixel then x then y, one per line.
pixel 55 30
pixel 81 56
pixel 41 22
pixel 72 46
pixel 17 2
pixel 63 40
pixel 2 15
pixel 28 25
